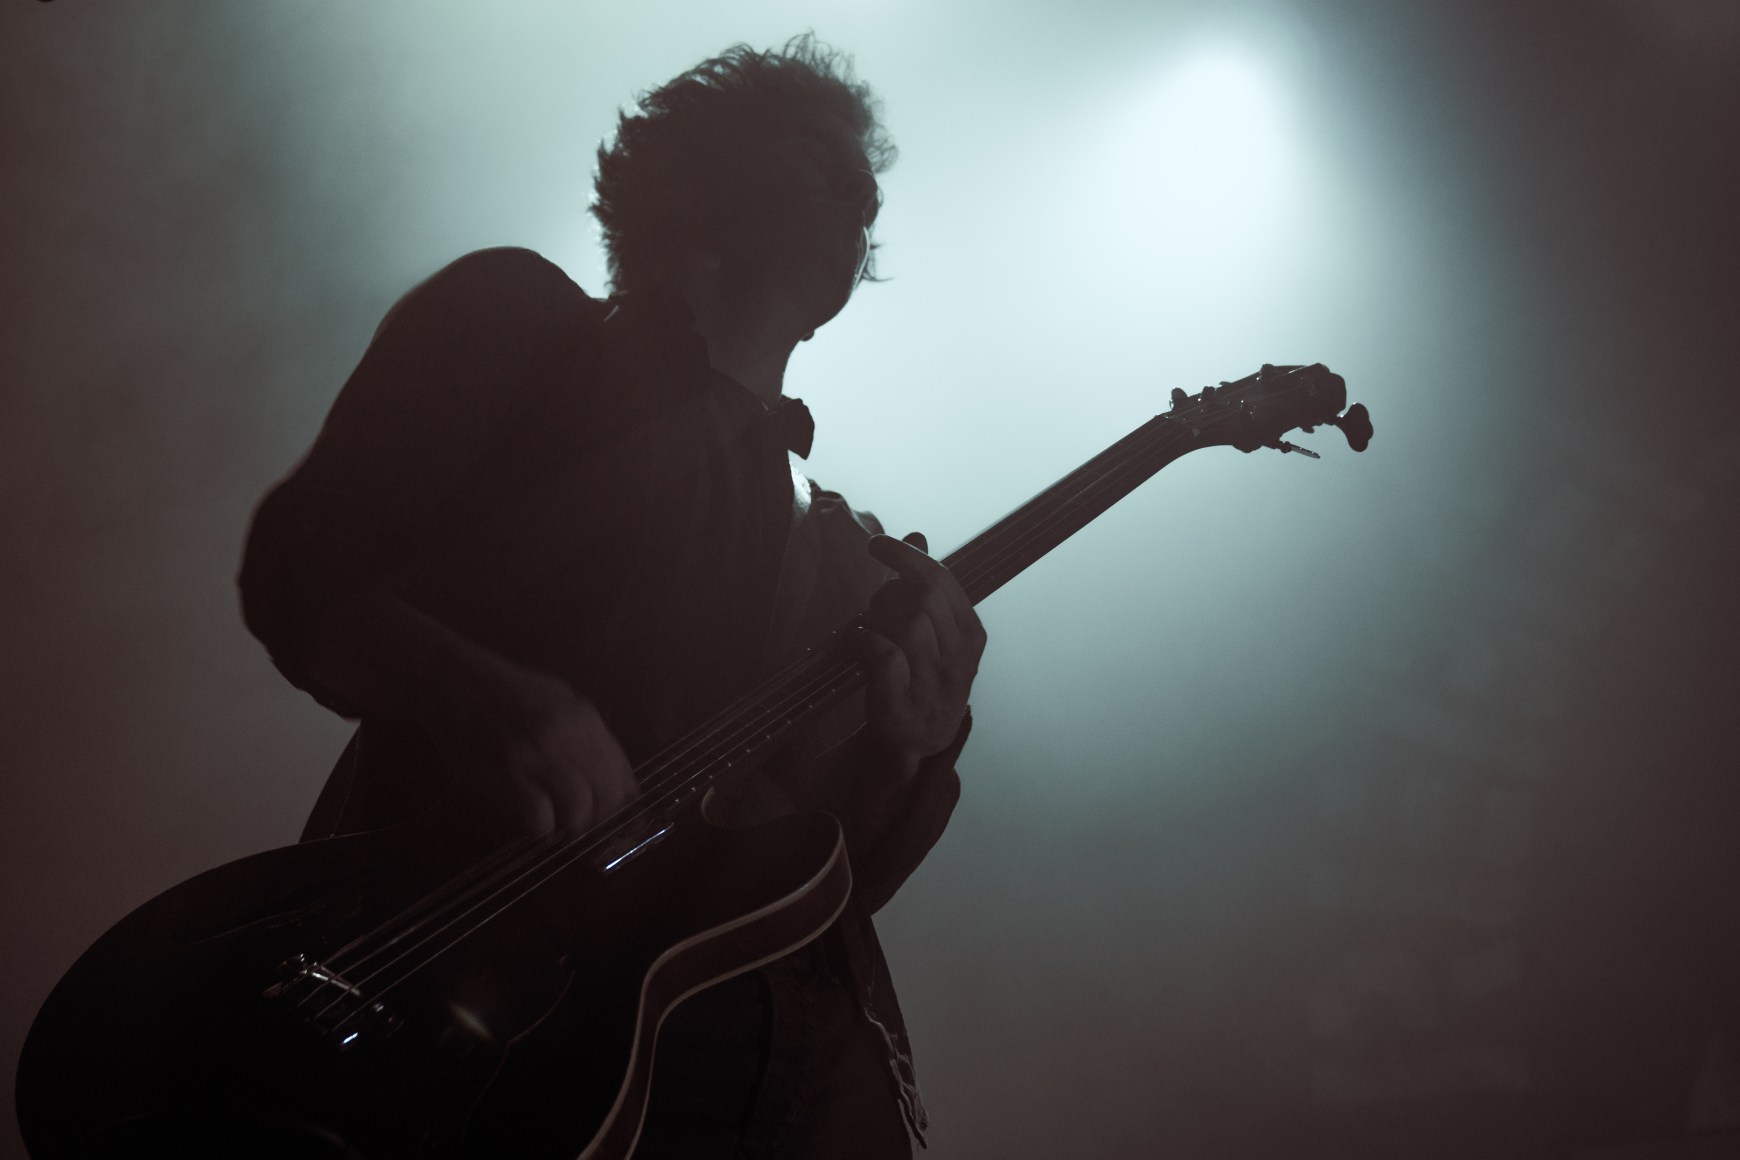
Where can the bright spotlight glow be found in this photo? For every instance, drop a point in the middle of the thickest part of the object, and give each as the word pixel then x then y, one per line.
pixel 1202 170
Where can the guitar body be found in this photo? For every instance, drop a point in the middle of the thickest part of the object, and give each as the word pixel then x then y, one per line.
pixel 531 1037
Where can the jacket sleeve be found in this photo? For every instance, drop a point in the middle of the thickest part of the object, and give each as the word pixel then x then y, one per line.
pixel 434 396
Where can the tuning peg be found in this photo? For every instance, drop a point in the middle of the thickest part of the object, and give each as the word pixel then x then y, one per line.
pixel 1356 425
pixel 1283 446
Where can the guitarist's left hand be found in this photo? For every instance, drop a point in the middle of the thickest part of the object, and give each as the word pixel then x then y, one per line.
pixel 922 648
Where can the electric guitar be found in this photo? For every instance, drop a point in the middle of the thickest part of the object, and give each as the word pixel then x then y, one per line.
pixel 407 993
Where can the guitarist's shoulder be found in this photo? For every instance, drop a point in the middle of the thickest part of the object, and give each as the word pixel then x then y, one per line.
pixel 509 287
pixel 508 268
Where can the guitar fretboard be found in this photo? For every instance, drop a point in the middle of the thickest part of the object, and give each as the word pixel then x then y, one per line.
pixel 1008 547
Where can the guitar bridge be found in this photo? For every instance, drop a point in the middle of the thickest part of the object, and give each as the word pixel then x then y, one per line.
pixel 329 1003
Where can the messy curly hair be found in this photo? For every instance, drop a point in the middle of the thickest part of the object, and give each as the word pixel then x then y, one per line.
pixel 680 174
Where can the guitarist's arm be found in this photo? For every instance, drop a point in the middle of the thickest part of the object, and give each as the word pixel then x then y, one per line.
pixel 524 747
pixel 436 393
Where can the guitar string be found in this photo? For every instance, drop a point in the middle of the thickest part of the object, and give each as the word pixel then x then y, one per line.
pixel 562 857
pixel 669 759
pixel 1141 443
pixel 1110 478
pixel 482 893
pixel 1089 479
pixel 439 911
pixel 1115 467
pixel 661 768
pixel 476 877
pixel 666 767
pixel 1090 485
pixel 455 888
pixel 668 763
pixel 1094 494
pixel 455 895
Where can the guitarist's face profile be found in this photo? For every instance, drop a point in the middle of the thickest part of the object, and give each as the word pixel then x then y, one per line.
pixel 803 243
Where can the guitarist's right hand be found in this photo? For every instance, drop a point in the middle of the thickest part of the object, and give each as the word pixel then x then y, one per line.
pixel 525 750
pixel 528 750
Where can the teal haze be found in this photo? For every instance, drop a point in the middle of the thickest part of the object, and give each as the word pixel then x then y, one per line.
pixel 1367 806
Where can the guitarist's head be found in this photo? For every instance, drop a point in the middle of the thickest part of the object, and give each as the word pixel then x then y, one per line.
pixel 756 170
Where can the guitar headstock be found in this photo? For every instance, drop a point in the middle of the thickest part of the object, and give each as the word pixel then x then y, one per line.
pixel 1257 410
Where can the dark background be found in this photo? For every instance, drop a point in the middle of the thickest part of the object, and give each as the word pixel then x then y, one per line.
pixel 1380 806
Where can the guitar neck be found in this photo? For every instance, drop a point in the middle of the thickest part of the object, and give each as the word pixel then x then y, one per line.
pixel 761 721
pixel 1008 547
